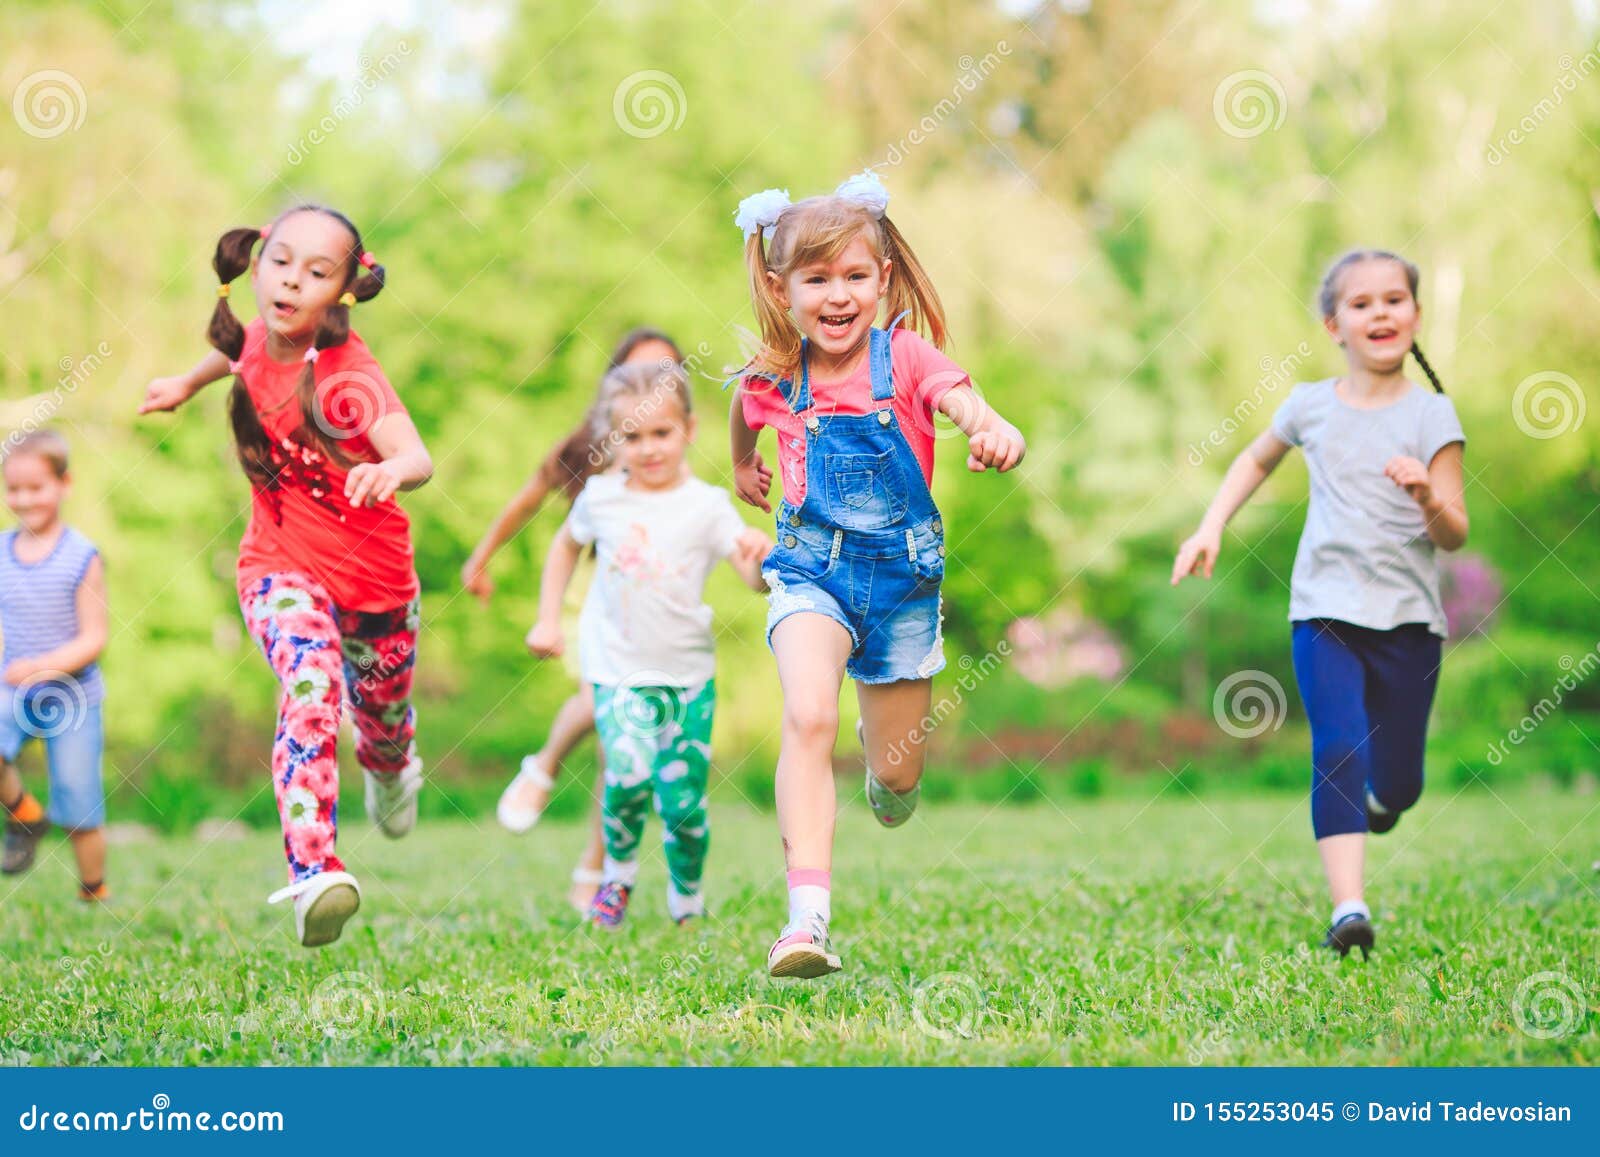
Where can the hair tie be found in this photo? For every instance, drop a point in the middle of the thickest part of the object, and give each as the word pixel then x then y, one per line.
pixel 866 190
pixel 311 354
pixel 760 211
pixel 347 299
pixel 265 229
pixel 223 289
pixel 233 366
pixel 367 259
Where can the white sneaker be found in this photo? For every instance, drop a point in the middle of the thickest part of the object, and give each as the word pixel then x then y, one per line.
pixel 803 950
pixel 514 815
pixel 392 799
pixel 322 903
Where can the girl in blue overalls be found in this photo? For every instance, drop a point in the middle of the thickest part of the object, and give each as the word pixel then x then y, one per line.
pixel 855 577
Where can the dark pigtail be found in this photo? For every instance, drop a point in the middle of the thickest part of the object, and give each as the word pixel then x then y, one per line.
pixel 1416 352
pixel 226 334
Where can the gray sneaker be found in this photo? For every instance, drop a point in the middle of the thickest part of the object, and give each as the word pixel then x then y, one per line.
pixel 892 808
pixel 22 845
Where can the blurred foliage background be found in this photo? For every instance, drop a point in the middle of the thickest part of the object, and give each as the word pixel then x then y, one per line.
pixel 1126 206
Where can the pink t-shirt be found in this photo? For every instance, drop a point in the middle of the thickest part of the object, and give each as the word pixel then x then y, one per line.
pixel 922 377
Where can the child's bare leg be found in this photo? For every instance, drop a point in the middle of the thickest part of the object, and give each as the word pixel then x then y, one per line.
pixel 893 716
pixel 572 725
pixel 811 650
pixel 525 799
pixel 1344 862
pixel 89 846
pixel 586 876
pixel 11 790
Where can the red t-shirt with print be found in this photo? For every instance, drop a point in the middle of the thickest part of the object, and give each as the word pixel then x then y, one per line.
pixel 361 555
pixel 922 377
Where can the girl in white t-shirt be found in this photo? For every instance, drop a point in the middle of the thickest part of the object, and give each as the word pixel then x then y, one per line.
pixel 644 636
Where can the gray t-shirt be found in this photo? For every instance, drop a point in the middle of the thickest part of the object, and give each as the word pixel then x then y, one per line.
pixel 1365 556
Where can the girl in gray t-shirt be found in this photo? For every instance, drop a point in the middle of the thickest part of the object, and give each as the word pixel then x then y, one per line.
pixel 1384 458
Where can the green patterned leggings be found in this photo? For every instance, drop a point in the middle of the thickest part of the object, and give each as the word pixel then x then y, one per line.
pixel 657 742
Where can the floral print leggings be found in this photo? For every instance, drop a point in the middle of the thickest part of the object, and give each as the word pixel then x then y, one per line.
pixel 323 655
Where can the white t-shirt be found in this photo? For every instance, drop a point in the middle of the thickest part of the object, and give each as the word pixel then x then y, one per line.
pixel 645 621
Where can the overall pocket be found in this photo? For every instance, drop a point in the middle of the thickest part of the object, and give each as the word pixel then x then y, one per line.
pixel 866 491
pixel 925 547
pixel 804 551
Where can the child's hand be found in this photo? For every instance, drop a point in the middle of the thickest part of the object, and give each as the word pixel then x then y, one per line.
pixel 546 640
pixel 20 672
pixel 999 445
pixel 165 394
pixel 752 479
pixel 1413 475
pixel 475 578
pixel 752 547
pixel 1197 555
pixel 370 483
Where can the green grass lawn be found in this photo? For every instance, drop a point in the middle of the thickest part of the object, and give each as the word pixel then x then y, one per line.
pixel 1172 931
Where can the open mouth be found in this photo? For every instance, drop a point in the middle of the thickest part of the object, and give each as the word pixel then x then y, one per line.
pixel 1383 333
pixel 282 309
pixel 836 325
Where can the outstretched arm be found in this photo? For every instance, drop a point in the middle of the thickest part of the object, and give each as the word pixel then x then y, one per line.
pixel 991 440
pixel 169 393
pixel 749 552
pixel 546 638
pixel 516 514
pixel 405 466
pixel 1198 554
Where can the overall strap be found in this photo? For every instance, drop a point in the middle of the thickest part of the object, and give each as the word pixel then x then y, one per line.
pixel 800 401
pixel 882 363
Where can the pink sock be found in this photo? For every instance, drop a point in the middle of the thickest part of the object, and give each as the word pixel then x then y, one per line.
pixel 808 893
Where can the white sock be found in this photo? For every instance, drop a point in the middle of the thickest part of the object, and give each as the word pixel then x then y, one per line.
pixel 1340 911
pixel 809 892
pixel 1374 806
pixel 620 871
pixel 679 905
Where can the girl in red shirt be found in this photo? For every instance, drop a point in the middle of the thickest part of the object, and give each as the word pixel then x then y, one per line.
pixel 325 576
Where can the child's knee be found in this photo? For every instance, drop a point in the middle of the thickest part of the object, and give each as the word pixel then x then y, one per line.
pixel 811 721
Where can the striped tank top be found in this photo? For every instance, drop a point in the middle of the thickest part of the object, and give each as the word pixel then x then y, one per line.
pixel 38 605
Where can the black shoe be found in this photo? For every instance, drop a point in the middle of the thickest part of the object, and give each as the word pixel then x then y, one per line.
pixel 1354 931
pixel 22 843
pixel 1380 822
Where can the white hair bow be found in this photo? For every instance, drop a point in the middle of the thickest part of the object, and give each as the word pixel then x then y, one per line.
pixel 867 191
pixel 760 211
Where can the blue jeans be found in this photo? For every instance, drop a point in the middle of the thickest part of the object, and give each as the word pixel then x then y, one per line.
pixel 1367 694
pixel 74 743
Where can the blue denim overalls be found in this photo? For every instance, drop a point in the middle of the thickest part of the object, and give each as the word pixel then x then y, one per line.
pixel 866 545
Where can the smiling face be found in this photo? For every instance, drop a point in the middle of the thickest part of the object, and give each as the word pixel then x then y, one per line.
pixel 34 491
pixel 303 268
pixel 655 435
pixel 834 303
pixel 1376 315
